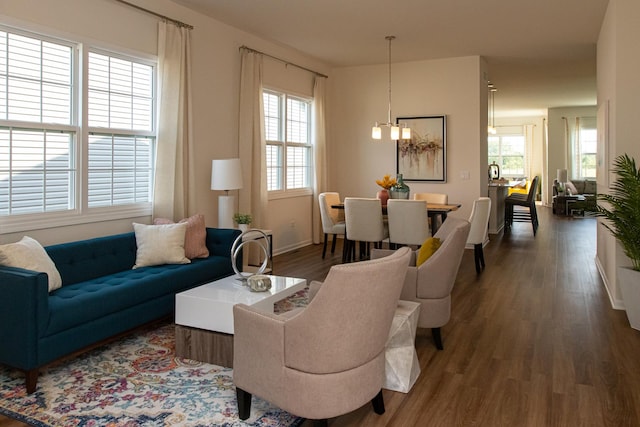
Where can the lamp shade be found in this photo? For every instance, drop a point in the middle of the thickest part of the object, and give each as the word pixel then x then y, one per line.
pixel 226 174
pixel 562 175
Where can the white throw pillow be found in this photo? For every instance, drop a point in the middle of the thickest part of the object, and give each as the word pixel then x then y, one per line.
pixel 30 255
pixel 160 244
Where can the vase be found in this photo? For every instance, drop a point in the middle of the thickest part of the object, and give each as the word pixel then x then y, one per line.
pixel 243 227
pixel 383 195
pixel 400 190
pixel 629 280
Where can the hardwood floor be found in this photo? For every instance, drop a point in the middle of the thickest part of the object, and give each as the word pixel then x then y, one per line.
pixel 533 340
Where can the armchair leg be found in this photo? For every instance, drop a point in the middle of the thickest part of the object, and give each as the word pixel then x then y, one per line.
pixel 437 337
pixel 378 403
pixel 320 423
pixel 244 403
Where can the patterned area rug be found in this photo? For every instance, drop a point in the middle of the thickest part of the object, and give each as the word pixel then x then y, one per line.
pixel 136 381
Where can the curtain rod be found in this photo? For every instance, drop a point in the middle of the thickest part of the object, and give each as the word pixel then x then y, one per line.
pixel 173 21
pixel 282 60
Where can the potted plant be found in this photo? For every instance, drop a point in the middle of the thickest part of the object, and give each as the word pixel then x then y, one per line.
pixel 622 210
pixel 243 220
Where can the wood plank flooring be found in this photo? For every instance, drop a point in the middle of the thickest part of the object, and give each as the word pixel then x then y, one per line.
pixel 533 340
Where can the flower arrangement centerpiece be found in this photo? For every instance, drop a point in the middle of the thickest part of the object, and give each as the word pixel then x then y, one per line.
pixel 386 183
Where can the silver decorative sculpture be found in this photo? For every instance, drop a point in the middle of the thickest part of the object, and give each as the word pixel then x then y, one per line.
pixel 262 241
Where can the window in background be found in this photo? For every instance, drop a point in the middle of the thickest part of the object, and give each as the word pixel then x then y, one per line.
pixel 288 136
pixel 508 151
pixel 58 159
pixel 586 153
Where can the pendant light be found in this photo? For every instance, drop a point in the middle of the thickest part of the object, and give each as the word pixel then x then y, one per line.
pixel 395 130
pixel 491 129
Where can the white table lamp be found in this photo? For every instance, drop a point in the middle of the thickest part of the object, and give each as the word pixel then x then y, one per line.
pixel 562 178
pixel 226 174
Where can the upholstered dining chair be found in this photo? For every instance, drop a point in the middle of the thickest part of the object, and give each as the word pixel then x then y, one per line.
pixel 365 224
pixel 526 212
pixel 408 221
pixel 328 358
pixel 436 198
pixel 332 219
pixel 431 282
pixel 479 232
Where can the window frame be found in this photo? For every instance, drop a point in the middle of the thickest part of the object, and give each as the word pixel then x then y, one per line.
pixel 500 156
pixel 80 213
pixel 283 144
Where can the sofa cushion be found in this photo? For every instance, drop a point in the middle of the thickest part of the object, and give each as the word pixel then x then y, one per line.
pixel 590 187
pixel 160 244
pixel 195 238
pixel 30 255
pixel 572 189
pixel 82 302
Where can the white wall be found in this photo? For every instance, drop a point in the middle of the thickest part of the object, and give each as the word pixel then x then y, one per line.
pixel 359 96
pixel 216 68
pixel 619 85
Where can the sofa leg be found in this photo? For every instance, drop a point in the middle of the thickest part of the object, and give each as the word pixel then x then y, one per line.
pixel 244 403
pixel 378 403
pixel 437 337
pixel 31 380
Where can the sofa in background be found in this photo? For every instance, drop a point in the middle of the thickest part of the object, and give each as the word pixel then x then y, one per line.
pixel 577 187
pixel 101 296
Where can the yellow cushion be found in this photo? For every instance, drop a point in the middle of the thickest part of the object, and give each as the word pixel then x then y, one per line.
pixel 427 249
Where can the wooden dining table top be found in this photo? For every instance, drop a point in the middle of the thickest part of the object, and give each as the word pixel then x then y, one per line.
pixel 431 207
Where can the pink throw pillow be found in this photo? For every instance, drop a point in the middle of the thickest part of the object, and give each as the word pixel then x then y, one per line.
pixel 195 239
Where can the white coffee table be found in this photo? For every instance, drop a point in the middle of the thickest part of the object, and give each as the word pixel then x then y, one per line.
pixel 204 315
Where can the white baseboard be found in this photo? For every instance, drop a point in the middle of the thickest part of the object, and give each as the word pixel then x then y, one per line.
pixel 616 304
pixel 290 248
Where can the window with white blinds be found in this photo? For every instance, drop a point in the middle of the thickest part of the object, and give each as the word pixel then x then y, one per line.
pixel 289 149
pixel 42 137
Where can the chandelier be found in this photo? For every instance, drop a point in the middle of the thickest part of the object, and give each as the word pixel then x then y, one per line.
pixel 376 131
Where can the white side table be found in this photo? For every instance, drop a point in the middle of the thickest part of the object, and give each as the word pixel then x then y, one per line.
pixel 401 359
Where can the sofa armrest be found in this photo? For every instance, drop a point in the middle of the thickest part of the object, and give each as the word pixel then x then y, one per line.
pixel 23 315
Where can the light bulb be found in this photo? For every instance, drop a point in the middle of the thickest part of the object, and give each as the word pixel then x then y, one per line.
pixel 376 132
pixel 406 133
pixel 395 132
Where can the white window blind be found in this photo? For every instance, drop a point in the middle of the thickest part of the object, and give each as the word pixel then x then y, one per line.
pixel 289 150
pixel 41 128
pixel 37 171
pixel 120 164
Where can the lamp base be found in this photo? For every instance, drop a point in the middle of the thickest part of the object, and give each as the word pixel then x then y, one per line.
pixel 226 205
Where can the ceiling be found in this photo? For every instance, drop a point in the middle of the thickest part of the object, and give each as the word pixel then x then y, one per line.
pixel 541 53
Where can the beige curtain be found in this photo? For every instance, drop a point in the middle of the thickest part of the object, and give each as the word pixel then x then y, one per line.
pixel 174 189
pixel 318 133
pixel 252 146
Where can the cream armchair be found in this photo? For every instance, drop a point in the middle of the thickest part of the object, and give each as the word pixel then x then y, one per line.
pixel 431 283
pixel 328 358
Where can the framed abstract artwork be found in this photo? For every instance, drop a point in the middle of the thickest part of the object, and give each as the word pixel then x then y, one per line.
pixel 424 156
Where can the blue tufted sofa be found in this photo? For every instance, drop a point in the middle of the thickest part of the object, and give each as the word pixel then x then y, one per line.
pixel 101 296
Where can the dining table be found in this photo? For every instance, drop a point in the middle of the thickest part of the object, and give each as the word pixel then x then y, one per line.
pixel 434 210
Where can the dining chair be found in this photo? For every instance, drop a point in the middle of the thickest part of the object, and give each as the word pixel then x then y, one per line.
pixel 332 219
pixel 527 207
pixel 435 198
pixel 364 224
pixel 408 221
pixel 479 232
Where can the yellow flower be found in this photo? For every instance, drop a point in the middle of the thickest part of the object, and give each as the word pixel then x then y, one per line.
pixel 386 182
